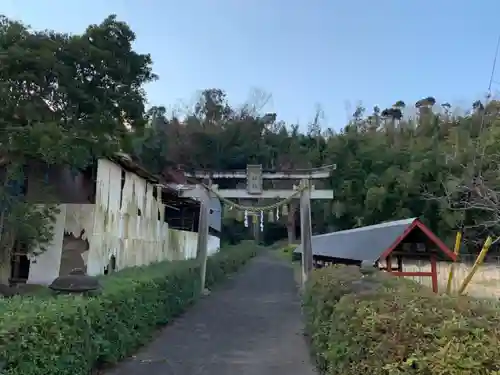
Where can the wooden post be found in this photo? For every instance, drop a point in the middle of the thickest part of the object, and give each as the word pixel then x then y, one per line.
pixel 306 230
pixel 434 272
pixel 400 263
pixel 254 176
pixel 256 228
pixel 202 244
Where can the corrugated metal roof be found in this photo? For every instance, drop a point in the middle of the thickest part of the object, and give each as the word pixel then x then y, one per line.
pixel 364 243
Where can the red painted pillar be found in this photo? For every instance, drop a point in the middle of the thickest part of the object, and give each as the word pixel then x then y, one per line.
pixel 388 262
pixel 434 273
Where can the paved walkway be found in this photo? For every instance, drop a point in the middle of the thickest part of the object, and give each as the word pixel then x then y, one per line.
pixel 250 326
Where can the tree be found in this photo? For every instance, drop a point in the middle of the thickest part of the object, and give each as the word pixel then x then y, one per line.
pixel 64 100
pixel 382 172
pixel 150 146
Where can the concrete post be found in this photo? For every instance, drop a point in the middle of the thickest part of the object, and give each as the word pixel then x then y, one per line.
pixel 306 230
pixel 202 244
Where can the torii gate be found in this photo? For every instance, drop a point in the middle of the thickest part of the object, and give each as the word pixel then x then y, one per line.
pixel 255 176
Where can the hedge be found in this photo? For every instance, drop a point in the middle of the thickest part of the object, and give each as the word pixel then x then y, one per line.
pixel 286 251
pixel 71 335
pixel 392 326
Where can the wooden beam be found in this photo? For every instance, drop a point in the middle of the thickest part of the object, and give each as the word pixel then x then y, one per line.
pixel 242 175
pixel 243 194
pixel 434 273
pixel 271 194
pixel 406 273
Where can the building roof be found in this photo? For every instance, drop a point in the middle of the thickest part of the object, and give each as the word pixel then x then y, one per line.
pixel 371 242
pixel 127 163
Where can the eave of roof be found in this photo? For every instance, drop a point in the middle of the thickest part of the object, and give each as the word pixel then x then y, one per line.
pixel 430 235
pixel 371 242
pixel 127 163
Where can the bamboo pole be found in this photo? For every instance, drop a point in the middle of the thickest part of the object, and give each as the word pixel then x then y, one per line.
pixel 456 250
pixel 477 263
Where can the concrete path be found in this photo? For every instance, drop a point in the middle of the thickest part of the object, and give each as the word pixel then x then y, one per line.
pixel 250 326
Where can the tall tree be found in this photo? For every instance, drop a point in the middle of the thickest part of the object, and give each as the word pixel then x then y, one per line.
pixel 65 100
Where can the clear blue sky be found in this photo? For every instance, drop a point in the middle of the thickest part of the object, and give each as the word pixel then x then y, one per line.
pixel 304 53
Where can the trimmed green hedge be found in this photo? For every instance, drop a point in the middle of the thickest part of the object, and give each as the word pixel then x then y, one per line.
pixel 392 326
pixel 71 335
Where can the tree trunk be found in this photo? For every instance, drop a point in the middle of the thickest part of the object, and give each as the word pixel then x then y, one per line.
pixel 4 254
pixel 7 240
pixel 5 269
pixel 5 257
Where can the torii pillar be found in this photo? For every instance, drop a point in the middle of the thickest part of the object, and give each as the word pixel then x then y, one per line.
pixel 255 176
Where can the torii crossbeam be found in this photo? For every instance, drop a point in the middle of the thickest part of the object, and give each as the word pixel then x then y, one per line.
pixel 255 176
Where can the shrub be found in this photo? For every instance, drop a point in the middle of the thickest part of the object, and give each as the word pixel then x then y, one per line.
pixel 73 334
pixel 286 251
pixel 398 327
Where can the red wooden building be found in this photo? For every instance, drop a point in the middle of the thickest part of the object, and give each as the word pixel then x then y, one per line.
pixel 391 243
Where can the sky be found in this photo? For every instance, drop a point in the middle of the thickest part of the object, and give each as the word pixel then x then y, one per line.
pixel 301 55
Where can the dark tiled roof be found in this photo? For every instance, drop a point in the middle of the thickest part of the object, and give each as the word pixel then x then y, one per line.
pixel 365 243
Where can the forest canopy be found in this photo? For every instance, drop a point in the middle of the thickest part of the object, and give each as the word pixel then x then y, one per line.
pixel 72 98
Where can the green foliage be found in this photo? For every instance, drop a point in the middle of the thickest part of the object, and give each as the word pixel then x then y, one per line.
pixel 149 146
pixel 33 225
pixel 29 224
pixel 287 251
pixel 397 327
pixel 69 98
pixel 233 231
pixel 389 165
pixel 72 334
pixel 64 100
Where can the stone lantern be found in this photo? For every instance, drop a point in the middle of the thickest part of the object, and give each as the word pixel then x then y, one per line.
pixel 77 282
pixel 366 283
pixel 367 267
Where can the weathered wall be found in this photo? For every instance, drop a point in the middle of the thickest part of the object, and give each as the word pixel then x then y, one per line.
pixel 77 230
pixel 93 233
pixel 126 221
pixel 182 244
pixel 45 267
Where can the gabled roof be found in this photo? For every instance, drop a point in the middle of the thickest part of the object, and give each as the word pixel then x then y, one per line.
pixel 371 242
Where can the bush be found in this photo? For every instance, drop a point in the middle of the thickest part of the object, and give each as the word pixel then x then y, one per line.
pixel 397 327
pixel 73 334
pixel 289 249
pixel 286 251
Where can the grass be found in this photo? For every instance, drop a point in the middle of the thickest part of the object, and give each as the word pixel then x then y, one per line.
pixel 284 252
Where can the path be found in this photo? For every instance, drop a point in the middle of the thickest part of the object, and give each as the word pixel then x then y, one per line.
pixel 250 326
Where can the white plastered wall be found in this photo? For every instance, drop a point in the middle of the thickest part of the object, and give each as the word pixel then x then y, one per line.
pixel 113 227
pixel 44 268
